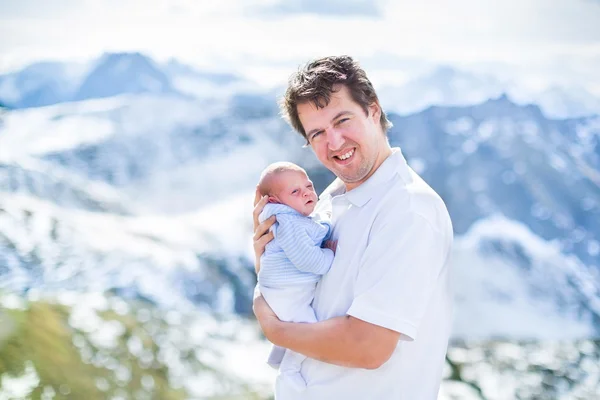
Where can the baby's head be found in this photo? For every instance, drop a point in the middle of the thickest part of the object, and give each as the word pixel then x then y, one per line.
pixel 286 183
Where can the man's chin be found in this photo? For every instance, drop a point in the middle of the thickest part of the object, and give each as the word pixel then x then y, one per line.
pixel 353 177
pixel 350 179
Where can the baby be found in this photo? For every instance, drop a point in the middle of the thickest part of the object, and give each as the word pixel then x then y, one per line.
pixel 293 261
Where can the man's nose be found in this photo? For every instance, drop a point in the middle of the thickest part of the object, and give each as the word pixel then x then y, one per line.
pixel 335 140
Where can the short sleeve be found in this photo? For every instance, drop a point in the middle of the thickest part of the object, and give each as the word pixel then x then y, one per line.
pixel 398 273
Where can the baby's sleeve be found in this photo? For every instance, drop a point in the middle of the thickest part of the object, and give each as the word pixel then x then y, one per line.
pixel 324 220
pixel 300 248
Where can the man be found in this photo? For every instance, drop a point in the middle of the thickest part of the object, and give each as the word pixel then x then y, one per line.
pixel 385 306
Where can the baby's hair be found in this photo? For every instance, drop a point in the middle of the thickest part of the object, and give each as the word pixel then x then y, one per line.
pixel 265 183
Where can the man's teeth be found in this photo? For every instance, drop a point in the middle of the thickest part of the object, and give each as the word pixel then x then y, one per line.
pixel 344 156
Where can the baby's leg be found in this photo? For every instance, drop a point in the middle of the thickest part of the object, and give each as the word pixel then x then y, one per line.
pixel 276 356
pixel 291 363
pixel 291 304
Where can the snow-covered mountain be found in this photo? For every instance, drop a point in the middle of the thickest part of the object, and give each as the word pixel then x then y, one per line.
pixel 167 260
pixel 120 73
pixel 107 140
pixel 205 84
pixel 559 101
pixel 498 157
pixel 40 84
pixel 509 283
pixel 58 185
pixel 47 83
pixel 149 195
pixel 442 86
pixel 113 74
pixel 449 86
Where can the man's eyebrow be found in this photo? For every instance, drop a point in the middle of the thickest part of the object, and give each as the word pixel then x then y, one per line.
pixel 341 113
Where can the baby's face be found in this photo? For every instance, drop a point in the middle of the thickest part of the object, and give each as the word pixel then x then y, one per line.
pixel 296 190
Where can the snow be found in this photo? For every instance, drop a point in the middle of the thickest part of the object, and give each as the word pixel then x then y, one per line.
pixel 102 334
pixel 57 135
pixel 497 298
pixel 12 302
pixel 190 208
pixel 9 92
pixel 66 126
pixel 453 390
pixel 490 288
pixel 19 387
pixel 200 184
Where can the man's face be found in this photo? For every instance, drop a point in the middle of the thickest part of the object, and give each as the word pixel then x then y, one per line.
pixel 347 141
pixel 296 190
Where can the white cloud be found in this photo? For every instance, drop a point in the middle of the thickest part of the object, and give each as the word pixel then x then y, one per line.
pixel 557 36
pixel 332 8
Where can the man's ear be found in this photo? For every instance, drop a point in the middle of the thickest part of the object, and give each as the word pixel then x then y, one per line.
pixel 274 200
pixel 375 111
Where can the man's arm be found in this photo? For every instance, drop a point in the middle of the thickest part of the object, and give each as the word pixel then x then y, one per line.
pixel 344 341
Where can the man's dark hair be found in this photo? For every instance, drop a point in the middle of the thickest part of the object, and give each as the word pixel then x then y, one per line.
pixel 315 83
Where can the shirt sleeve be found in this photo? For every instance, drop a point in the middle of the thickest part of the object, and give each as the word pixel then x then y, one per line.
pixel 398 272
pixel 300 248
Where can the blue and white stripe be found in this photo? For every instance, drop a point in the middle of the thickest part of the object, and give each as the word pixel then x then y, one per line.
pixel 295 255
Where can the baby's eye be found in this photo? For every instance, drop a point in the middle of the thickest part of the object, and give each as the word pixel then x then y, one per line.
pixel 295 191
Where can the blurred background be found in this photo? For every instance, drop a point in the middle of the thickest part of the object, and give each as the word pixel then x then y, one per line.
pixel 132 134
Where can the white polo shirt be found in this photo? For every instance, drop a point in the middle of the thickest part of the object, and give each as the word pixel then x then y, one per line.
pixel 391 269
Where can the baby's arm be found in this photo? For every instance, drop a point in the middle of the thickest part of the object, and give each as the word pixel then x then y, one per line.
pixel 300 248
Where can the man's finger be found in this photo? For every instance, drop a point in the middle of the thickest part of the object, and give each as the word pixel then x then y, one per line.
pixel 258 207
pixel 257 196
pixel 262 242
pixel 263 227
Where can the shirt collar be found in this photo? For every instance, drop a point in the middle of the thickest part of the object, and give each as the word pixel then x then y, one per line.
pixel 359 196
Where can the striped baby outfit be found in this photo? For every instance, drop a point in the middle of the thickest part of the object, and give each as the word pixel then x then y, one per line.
pixel 290 268
pixel 295 255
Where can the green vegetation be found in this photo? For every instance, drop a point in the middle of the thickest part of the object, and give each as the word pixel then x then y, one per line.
pixel 70 366
pixel 42 335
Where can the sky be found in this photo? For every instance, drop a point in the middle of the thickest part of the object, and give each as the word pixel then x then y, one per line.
pixel 265 38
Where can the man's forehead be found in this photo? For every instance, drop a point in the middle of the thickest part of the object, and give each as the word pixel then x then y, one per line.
pixel 312 117
pixel 335 100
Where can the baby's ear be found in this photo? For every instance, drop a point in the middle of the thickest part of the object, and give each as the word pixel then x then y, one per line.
pixel 273 200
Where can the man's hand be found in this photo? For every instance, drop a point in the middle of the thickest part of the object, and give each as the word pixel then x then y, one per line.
pixel 264 314
pixel 262 234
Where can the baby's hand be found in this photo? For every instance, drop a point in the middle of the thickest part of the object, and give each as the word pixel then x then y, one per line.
pixel 331 245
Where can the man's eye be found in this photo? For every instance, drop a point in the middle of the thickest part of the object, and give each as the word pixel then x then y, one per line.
pixel 314 135
pixel 341 121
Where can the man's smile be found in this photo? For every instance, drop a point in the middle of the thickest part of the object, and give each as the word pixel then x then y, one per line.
pixel 345 157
